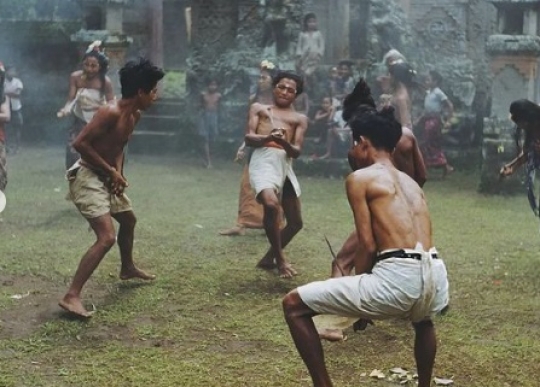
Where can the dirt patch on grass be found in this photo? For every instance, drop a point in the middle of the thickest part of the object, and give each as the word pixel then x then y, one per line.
pixel 34 301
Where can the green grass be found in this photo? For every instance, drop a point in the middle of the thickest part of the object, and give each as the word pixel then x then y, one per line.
pixel 212 319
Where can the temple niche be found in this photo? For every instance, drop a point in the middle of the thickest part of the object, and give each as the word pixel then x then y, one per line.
pixel 514 55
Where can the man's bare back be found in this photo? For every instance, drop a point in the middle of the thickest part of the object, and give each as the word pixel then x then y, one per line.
pixel 399 213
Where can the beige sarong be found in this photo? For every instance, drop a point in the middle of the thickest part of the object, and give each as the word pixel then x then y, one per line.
pixel 269 167
pixel 404 288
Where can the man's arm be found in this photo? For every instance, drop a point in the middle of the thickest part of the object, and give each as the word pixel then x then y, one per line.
pixel 404 114
pixel 96 128
pixel 511 167
pixel 356 186
pixel 294 148
pixel 253 139
pixel 420 170
pixel 109 92
pixel 5 111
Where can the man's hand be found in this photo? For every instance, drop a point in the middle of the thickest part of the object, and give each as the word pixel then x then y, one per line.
pixel 118 182
pixel 240 154
pixel 278 135
pixel 506 170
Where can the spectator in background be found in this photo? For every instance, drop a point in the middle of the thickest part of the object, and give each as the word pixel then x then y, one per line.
pixel 13 88
pixel 89 89
pixel 208 124
pixel 5 115
pixel 310 48
pixel 324 116
pixel 526 115
pixel 438 112
pixel 345 82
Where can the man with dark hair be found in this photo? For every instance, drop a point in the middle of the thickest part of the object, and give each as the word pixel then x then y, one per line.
pixel 408 279
pixel 277 132
pixel 97 183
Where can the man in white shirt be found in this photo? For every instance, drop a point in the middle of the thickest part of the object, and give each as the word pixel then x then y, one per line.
pixel 13 88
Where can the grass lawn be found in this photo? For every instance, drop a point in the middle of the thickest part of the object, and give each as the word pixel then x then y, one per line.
pixel 212 319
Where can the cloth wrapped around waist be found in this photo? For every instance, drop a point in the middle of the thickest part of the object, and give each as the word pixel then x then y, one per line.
pixel 269 167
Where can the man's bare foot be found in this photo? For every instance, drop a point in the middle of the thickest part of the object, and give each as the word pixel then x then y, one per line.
pixel 266 264
pixel 287 271
pixel 135 273
pixel 236 230
pixel 75 306
pixel 331 334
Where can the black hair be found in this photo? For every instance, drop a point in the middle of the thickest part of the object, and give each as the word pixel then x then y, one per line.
pixel 103 62
pixel 138 75
pixel 524 110
pixel 359 101
pixel 290 75
pixel 436 76
pixel 404 73
pixel 308 16
pixel 381 128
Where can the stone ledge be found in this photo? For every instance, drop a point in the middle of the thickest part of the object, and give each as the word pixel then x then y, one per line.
pixel 513 44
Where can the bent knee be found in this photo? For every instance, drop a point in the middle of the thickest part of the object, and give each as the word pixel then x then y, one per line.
pixel 291 301
pixel 107 241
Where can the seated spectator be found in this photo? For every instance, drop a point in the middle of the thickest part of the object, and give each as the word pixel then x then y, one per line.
pixel 338 134
pixel 324 116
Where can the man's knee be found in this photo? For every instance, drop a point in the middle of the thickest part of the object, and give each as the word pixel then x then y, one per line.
pixel 290 302
pixel 107 240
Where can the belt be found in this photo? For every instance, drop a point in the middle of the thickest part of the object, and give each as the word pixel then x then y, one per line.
pixel 403 254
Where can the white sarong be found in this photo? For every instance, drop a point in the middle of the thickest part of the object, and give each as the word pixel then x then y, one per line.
pixel 269 168
pixel 404 288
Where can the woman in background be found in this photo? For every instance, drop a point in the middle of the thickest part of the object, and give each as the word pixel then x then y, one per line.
pixel 89 89
pixel 526 115
pixel 438 112
pixel 250 212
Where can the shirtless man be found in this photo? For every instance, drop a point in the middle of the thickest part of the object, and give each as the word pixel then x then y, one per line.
pixel 408 280
pixel 209 125
pixel 277 133
pixel 97 183
pixel 407 158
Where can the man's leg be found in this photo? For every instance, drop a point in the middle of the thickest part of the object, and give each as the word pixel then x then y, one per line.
pixel 127 221
pixel 425 348
pixel 104 230
pixel 299 318
pixel 293 214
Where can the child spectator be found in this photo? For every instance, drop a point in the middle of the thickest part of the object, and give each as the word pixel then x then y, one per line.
pixel 310 47
pixel 208 125
pixel 323 118
pixel 345 82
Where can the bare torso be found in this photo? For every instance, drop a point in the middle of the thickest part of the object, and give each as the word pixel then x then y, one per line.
pixel 211 100
pixel 397 207
pixel 109 132
pixel 408 158
pixel 272 117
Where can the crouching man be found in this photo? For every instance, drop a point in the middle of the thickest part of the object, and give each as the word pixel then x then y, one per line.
pixel 408 279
